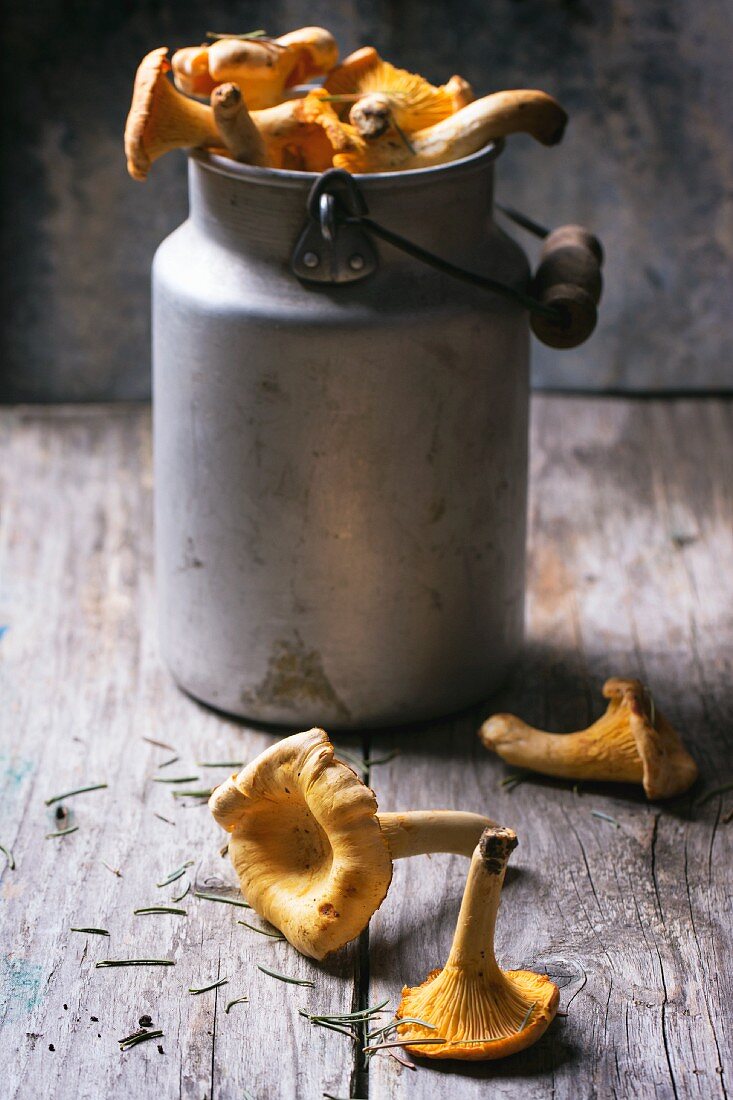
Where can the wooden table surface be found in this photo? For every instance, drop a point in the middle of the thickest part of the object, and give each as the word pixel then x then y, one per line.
pixel 631 567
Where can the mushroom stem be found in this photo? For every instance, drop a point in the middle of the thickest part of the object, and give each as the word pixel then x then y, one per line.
pixel 596 753
pixel 479 1010
pixel 420 831
pixel 473 941
pixel 236 126
pixel 460 134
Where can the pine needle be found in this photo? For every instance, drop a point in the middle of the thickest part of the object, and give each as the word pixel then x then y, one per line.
pixel 402 1043
pixel 175 875
pixel 219 764
pixel 134 962
pixel 223 900
pixel 160 744
pixel 77 790
pixel 182 896
pixel 605 817
pixel 262 931
pixel 167 763
pixel 160 909
pixel 166 819
pixel 175 779
pixel 359 1014
pixel 206 988
pixel 284 977
pixel 139 1037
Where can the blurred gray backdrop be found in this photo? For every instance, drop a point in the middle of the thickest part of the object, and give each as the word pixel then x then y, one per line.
pixel 647 163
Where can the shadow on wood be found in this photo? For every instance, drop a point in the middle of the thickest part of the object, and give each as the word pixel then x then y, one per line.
pixel 551 1052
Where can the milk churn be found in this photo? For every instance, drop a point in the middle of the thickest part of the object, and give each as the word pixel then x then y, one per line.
pixel 341 442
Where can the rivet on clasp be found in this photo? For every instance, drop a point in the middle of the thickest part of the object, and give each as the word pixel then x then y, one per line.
pixel 333 247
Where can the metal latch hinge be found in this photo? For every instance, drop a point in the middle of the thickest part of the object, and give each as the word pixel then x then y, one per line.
pixel 333 247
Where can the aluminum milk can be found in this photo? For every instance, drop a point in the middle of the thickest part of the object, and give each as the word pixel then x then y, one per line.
pixel 340 469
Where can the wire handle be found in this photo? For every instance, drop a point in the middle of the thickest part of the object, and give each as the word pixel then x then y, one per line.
pixel 564 293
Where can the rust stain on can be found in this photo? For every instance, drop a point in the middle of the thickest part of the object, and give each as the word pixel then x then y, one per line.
pixel 296 677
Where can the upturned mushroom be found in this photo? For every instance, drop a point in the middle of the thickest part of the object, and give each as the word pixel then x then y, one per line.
pixel 459 135
pixel 162 119
pixel 480 1011
pixel 236 127
pixel 301 134
pixel 631 743
pixel 379 96
pixel 344 77
pixel 264 68
pixel 313 856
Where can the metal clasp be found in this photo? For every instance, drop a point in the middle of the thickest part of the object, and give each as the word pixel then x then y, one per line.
pixel 333 247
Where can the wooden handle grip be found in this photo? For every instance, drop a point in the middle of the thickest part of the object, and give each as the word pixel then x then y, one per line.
pixel 568 277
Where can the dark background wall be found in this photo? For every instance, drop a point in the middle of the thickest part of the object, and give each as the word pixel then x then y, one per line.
pixel 647 163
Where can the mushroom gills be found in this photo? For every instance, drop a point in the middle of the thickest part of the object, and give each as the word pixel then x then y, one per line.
pixel 481 1011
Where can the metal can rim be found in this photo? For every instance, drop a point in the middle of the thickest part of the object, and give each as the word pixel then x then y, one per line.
pixel 280 177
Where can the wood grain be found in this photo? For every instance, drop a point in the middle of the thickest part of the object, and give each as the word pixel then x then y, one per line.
pixel 81 686
pixel 631 559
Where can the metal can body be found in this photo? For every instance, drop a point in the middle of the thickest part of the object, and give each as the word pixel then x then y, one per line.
pixel 340 472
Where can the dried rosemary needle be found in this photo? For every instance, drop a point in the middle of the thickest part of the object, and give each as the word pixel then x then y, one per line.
pixel 77 790
pixel 206 988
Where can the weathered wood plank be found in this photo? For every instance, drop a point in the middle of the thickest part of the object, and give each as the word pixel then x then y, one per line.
pixel 631 566
pixel 81 685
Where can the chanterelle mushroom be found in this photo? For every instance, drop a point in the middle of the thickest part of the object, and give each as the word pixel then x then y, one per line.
pixel 481 1011
pixel 264 68
pixel 313 856
pixel 458 135
pixel 300 134
pixel 162 119
pixel 377 95
pixel 631 743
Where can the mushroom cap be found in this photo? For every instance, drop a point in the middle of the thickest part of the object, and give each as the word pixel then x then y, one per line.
pixel 150 69
pixel 161 118
pixel 316 50
pixel 191 71
pixel 460 91
pixel 343 79
pixel 315 108
pixel 481 1017
pixel 305 842
pixel 266 67
pixel 667 767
